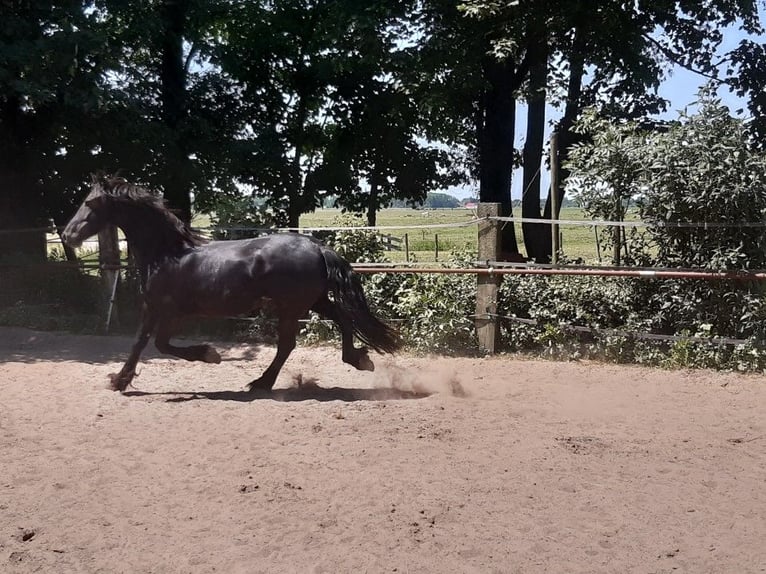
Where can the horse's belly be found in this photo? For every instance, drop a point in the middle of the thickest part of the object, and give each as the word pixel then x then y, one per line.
pixel 217 302
pixel 224 307
pixel 228 286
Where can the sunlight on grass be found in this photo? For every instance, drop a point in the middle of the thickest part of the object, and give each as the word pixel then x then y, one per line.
pixel 578 242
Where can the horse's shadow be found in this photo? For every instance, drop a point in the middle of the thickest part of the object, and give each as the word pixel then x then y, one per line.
pixel 305 392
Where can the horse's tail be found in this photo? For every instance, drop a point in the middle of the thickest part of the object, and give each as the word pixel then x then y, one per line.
pixel 349 300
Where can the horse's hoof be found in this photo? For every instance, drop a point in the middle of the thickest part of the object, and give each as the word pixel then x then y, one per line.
pixel 260 385
pixel 365 363
pixel 119 382
pixel 211 356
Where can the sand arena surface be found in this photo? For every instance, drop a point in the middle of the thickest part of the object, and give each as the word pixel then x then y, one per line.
pixel 428 465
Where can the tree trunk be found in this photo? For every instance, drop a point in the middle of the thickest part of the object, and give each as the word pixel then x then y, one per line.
pixel 571 112
pixel 496 143
pixel 295 189
pixel 534 233
pixel 177 180
pixel 372 203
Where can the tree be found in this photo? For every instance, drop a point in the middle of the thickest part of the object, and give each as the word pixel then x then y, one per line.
pixel 381 145
pixel 747 77
pixel 377 131
pixel 50 83
pixel 469 91
pixel 632 51
pixel 321 83
pixel 607 173
pixel 281 57
pixel 170 118
pixel 626 49
pixel 701 170
pixel 441 201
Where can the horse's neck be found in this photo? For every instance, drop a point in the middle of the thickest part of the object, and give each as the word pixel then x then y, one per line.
pixel 149 242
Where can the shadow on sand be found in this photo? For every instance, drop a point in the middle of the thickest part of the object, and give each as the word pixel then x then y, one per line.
pixel 305 392
pixel 26 346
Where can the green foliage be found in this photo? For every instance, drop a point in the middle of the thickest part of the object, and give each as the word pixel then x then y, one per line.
pixel 605 172
pixel 239 217
pixel 704 170
pixel 306 99
pixel 354 245
pixel 610 312
pixel 436 309
pixel 700 169
pixel 440 201
pixel 747 77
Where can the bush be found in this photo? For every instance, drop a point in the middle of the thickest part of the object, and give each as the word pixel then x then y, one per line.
pixel 51 297
pixel 702 168
pixel 354 245
pixel 436 309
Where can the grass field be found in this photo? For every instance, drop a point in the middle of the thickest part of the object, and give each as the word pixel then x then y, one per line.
pixel 577 241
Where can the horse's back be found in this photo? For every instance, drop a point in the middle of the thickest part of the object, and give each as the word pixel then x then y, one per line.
pixel 283 253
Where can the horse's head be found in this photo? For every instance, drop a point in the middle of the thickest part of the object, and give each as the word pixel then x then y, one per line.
pixel 93 215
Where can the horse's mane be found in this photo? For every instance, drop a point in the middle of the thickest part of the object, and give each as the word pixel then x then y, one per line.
pixel 175 231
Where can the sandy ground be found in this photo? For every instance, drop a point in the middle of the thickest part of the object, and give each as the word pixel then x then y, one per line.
pixel 427 465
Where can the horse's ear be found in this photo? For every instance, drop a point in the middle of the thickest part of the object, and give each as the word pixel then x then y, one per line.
pixel 99 178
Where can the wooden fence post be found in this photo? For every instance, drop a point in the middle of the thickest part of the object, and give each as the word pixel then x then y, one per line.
pixel 406 248
pixel 555 184
pixel 487 286
pixel 109 261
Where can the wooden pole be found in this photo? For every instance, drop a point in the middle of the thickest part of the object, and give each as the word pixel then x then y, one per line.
pixel 555 184
pixel 406 248
pixel 109 260
pixel 598 244
pixel 487 286
pixel 436 246
pixel 616 231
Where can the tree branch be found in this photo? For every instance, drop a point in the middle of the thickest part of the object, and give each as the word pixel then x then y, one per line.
pixel 187 64
pixel 676 59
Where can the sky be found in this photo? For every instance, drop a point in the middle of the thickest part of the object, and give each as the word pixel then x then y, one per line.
pixel 680 89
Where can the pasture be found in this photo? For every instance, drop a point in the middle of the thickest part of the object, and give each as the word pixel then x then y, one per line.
pixel 426 465
pixel 577 241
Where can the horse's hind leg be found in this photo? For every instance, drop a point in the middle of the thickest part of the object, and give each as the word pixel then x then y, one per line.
pixel 288 329
pixel 355 356
pixel 204 353
pixel 120 381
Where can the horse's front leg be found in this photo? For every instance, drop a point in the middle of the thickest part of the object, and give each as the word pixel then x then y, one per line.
pixel 204 353
pixel 120 381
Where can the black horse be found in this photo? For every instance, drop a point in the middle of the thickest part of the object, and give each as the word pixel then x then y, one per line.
pixel 182 274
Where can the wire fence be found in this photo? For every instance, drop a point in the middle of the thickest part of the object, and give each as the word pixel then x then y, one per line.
pixel 431 241
pixel 480 267
pixel 714 341
pixel 51 229
pixel 483 268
